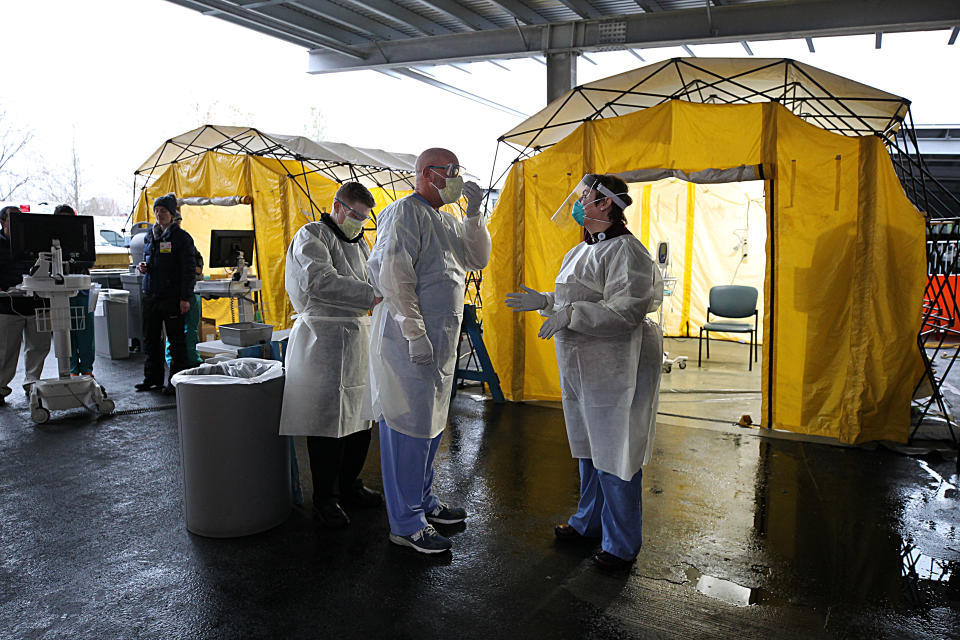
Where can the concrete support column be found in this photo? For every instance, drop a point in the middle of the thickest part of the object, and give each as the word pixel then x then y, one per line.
pixel 561 74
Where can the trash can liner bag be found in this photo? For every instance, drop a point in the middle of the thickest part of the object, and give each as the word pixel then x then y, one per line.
pixel 236 371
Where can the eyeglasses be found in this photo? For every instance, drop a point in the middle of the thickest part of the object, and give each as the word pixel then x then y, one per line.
pixel 451 170
pixel 585 198
pixel 357 214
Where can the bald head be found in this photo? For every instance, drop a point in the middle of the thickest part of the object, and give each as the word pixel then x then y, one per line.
pixel 435 156
pixel 430 179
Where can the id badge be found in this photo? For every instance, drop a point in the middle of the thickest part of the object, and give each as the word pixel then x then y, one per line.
pixel 166 247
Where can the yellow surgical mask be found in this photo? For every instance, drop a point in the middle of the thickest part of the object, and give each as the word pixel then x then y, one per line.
pixel 351 227
pixel 451 191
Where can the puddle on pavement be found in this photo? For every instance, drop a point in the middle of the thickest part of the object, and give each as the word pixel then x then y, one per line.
pixel 915 567
pixel 919 566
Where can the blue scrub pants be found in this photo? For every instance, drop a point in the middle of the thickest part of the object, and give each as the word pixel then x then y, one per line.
pixel 406 464
pixel 191 334
pixel 611 509
pixel 82 351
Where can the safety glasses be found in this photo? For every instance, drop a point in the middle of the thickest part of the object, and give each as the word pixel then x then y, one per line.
pixel 450 170
pixel 356 214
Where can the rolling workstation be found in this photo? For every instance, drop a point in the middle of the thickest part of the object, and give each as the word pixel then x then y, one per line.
pixel 52 244
pixel 55 242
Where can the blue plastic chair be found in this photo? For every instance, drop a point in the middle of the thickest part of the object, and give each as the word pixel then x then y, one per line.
pixel 731 301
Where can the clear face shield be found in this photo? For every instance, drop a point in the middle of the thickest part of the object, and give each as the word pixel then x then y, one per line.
pixel 563 217
pixel 571 213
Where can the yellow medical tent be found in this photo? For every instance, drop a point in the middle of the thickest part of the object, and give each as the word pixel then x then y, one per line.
pixel 240 178
pixel 845 263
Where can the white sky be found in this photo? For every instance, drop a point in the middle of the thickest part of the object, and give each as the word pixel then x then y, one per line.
pixel 121 76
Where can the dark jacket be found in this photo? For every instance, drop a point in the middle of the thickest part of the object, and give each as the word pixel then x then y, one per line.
pixel 11 274
pixel 170 263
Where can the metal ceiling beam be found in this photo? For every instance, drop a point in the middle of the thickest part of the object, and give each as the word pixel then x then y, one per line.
pixel 309 24
pixel 351 19
pixel 461 14
pixel 731 23
pixel 582 8
pixel 520 11
pixel 721 3
pixel 394 11
pixel 232 12
pixel 649 5
pixel 409 73
pixel 248 5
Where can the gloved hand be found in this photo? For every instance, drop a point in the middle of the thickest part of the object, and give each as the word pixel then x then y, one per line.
pixel 421 350
pixel 556 322
pixel 474 196
pixel 526 300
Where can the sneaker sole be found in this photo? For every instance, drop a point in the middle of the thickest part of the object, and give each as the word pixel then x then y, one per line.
pixel 403 542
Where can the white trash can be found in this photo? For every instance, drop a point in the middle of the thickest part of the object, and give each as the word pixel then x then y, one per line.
pixel 236 466
pixel 111 333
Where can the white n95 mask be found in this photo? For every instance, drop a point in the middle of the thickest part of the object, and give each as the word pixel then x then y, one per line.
pixel 351 227
pixel 452 191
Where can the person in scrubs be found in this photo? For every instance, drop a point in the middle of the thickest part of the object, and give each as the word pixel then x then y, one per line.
pixel 325 396
pixel 610 356
pixel 82 347
pixel 419 265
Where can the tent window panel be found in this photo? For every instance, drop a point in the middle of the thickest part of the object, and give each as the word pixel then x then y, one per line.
pixel 199 221
pixel 729 237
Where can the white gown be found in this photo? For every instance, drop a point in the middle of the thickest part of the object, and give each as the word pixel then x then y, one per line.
pixel 611 354
pixel 418 265
pixel 326 392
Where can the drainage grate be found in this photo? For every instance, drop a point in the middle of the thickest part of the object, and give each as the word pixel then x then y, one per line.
pixel 133 412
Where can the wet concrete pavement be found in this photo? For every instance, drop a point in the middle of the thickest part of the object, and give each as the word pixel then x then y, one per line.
pixel 744 536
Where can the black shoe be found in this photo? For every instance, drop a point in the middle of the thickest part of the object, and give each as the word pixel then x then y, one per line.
pixel 3 400
pixel 361 496
pixel 148 386
pixel 445 514
pixel 169 390
pixel 610 562
pixel 567 533
pixel 331 515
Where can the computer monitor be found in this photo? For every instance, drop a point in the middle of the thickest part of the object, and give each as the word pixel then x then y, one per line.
pixel 33 233
pixel 226 244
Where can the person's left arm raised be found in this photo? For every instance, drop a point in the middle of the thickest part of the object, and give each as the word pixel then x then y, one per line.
pixel 476 238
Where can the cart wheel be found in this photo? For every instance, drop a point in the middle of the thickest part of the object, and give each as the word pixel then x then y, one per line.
pixel 106 406
pixel 39 415
pixel 666 368
pixel 682 364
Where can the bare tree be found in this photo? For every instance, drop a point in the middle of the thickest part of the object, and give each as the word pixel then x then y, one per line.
pixel 101 206
pixel 316 127
pixel 63 185
pixel 217 112
pixel 75 177
pixel 12 142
